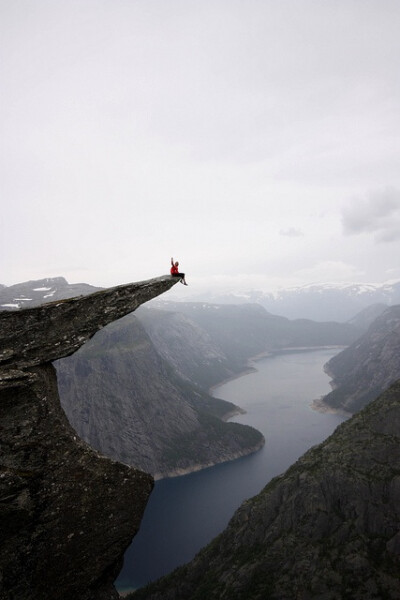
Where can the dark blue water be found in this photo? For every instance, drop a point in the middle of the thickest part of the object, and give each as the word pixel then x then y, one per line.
pixel 185 513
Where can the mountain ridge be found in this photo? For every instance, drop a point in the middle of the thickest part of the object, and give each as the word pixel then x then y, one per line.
pixel 319 301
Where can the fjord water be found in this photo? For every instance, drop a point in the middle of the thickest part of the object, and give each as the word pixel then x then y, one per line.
pixel 185 513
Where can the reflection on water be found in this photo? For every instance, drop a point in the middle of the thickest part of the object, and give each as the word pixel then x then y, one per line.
pixel 185 513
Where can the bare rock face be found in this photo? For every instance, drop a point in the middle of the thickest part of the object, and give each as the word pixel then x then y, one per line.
pixel 67 514
pixel 366 368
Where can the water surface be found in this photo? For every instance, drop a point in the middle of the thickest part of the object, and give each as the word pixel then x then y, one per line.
pixel 185 513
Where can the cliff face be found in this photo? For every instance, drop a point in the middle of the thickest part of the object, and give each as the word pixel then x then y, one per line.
pixel 187 346
pixel 123 399
pixel 67 514
pixel 327 529
pixel 363 370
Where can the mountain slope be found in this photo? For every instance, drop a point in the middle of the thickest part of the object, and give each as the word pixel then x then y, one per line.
pixel 363 370
pixel 188 347
pixel 222 338
pixel 364 319
pixel 127 402
pixel 328 528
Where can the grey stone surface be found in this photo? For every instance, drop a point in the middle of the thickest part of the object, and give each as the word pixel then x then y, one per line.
pixel 33 336
pixel 67 514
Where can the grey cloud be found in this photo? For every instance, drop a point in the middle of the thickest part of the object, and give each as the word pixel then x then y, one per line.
pixel 291 232
pixel 378 213
pixel 391 235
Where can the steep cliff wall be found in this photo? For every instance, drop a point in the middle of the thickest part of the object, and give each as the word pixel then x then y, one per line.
pixel 127 402
pixel 327 529
pixel 363 370
pixel 67 514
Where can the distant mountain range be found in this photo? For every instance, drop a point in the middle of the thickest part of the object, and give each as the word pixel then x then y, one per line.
pixel 33 293
pixel 319 302
pixel 210 342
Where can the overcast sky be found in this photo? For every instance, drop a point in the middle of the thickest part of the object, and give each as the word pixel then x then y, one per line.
pixel 256 141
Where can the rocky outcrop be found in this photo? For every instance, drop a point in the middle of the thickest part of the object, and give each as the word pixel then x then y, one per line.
pixel 327 529
pixel 67 514
pixel 366 368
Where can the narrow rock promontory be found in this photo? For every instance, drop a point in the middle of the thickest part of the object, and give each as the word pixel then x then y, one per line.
pixel 67 514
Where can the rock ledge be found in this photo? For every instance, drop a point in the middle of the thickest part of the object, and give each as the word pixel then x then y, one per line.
pixel 67 514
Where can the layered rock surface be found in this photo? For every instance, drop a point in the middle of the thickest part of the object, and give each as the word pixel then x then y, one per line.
pixel 67 514
pixel 327 529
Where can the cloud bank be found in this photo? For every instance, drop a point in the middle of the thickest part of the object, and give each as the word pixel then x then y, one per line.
pixel 378 213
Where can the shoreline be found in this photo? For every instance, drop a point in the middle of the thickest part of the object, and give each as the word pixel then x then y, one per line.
pixel 245 371
pixel 321 406
pixel 271 353
pixel 201 466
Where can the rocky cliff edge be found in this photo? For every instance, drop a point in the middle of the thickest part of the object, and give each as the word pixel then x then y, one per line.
pixel 67 514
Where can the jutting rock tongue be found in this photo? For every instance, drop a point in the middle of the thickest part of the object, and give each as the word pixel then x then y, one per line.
pixel 67 513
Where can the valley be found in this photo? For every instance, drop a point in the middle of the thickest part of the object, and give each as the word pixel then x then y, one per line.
pixel 138 391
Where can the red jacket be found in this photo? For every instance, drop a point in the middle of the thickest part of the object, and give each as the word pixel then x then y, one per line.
pixel 174 269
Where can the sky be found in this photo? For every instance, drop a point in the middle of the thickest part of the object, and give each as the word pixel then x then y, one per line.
pixel 255 141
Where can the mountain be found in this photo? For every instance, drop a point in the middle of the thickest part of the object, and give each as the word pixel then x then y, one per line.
pixel 328 528
pixel 363 370
pixel 126 401
pixel 137 391
pixel 34 293
pixel 188 347
pixel 209 342
pixel 319 302
pixel 364 319
pixel 67 514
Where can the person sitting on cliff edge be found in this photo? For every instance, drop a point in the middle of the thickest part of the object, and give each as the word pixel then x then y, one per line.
pixel 175 271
